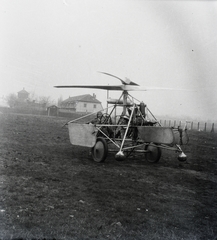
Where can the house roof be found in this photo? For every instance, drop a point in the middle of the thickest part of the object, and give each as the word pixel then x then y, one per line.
pixel 52 106
pixel 23 91
pixel 82 98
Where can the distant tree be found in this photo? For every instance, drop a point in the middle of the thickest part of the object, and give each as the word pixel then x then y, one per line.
pixel 11 99
pixel 32 97
pixel 45 101
pixel 59 101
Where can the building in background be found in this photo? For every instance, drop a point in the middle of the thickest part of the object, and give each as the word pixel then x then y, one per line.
pixel 22 95
pixel 81 104
pixel 53 110
pixel 25 104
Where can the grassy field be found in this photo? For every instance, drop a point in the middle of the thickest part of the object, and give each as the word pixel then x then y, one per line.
pixel 53 190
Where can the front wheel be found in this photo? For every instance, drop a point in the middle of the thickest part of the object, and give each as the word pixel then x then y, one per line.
pixel 153 153
pixel 100 150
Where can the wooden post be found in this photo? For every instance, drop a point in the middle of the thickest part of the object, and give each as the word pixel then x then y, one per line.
pixel 205 128
pixel 212 130
pixel 198 126
pixel 107 101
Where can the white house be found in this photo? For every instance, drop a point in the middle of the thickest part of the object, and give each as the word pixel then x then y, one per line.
pixel 81 104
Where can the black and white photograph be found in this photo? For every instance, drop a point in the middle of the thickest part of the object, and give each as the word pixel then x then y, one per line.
pixel 108 119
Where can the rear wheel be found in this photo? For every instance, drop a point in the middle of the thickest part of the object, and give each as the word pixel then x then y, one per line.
pixel 100 150
pixel 153 153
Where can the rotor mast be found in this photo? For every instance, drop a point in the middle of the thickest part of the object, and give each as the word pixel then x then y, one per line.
pixel 125 94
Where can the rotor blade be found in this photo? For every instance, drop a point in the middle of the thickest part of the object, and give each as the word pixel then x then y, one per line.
pixel 121 87
pixel 105 87
pixel 112 76
pixel 123 82
pixel 143 88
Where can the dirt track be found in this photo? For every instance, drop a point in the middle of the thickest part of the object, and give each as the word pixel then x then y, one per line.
pixel 50 189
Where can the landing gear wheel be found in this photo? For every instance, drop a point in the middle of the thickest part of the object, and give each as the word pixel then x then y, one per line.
pixel 154 153
pixel 100 150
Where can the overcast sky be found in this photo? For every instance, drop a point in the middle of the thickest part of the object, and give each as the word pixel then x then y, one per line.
pixel 154 43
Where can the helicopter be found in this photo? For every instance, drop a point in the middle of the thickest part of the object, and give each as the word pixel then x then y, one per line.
pixel 129 134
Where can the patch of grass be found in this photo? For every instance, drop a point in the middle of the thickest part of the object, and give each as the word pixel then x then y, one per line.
pixel 51 189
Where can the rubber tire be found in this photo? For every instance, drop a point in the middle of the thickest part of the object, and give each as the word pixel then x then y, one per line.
pixel 100 150
pixel 154 153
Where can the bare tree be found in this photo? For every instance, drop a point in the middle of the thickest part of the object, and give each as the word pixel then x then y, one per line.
pixel 32 97
pixel 59 101
pixel 11 99
pixel 45 101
